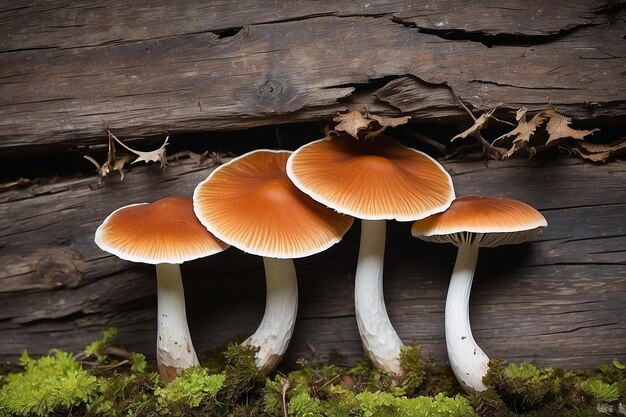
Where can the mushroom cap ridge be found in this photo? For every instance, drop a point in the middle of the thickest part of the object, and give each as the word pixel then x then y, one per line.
pixel 251 204
pixel 499 221
pixel 164 231
pixel 372 180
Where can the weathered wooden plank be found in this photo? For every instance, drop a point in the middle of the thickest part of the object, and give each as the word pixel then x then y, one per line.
pixel 494 17
pixel 556 301
pixel 63 24
pixel 182 80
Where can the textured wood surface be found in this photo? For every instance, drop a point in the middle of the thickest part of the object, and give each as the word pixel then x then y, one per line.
pixel 191 66
pixel 557 301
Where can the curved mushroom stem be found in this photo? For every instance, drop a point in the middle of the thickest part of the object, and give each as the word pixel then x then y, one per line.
pixel 272 336
pixel 468 361
pixel 380 340
pixel 175 350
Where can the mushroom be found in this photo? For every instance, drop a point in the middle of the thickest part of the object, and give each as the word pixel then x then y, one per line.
pixel 250 203
pixel 472 222
pixel 375 181
pixel 164 233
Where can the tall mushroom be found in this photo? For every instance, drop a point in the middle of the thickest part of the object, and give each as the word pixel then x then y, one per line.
pixel 375 180
pixel 251 204
pixel 472 222
pixel 164 233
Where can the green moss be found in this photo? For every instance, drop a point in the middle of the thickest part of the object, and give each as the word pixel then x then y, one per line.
pixel 193 390
pixel 241 376
pixel 526 389
pixel 98 347
pixel 303 405
pixel 382 404
pixel 415 368
pixel 121 395
pixel 51 384
pixel 600 391
pixel 59 385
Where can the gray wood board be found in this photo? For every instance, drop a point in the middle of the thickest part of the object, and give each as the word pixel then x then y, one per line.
pixel 166 67
pixel 557 301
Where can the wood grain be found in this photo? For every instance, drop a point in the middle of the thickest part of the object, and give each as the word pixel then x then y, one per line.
pixel 191 66
pixel 556 301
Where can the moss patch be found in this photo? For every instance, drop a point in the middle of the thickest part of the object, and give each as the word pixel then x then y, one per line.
pixel 108 381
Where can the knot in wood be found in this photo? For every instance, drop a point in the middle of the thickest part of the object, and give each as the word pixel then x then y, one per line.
pixel 269 91
pixel 57 270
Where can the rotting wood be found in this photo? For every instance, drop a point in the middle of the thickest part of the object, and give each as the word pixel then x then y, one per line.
pixel 170 70
pixel 557 301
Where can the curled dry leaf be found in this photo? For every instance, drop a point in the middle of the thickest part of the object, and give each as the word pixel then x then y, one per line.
pixel 391 121
pixel 354 123
pixel 110 165
pixel 478 125
pixel 385 123
pixel 489 150
pixel 523 131
pixel 158 155
pixel 597 152
pixel 558 127
pixel 351 123
pixel 113 163
pixel 118 165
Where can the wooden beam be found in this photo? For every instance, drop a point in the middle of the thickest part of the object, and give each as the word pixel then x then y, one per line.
pixel 192 66
pixel 556 301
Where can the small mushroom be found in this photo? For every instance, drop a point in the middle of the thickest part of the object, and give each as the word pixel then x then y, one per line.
pixel 472 222
pixel 250 203
pixel 375 181
pixel 164 233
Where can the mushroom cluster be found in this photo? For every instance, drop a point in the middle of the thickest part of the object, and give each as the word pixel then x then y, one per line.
pixel 282 205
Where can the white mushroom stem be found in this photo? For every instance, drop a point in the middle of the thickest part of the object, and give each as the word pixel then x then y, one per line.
pixel 272 336
pixel 468 361
pixel 175 350
pixel 380 340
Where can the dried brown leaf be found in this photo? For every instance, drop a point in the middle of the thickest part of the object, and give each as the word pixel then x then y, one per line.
pixel 598 152
pixel 479 124
pixel 157 155
pixel 558 127
pixel 118 165
pixel 523 131
pixel 389 122
pixel 351 123
pixel 489 151
pixel 354 122
pixel 385 123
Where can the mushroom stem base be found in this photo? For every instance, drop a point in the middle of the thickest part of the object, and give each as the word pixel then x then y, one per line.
pixel 380 340
pixel 175 350
pixel 272 337
pixel 469 363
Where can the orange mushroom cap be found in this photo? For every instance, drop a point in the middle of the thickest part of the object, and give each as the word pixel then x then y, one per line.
pixel 373 180
pixel 165 231
pixel 501 221
pixel 251 204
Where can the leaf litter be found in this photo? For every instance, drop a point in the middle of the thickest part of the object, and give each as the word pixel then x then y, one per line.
pixel 528 135
pixel 367 126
